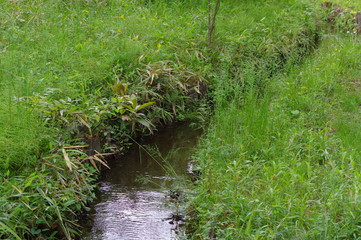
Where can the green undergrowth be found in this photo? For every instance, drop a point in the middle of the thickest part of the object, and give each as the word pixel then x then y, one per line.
pixel 75 71
pixel 44 202
pixel 63 61
pixel 283 162
pixel 350 4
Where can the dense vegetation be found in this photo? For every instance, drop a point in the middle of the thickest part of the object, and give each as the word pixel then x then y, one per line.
pixel 281 155
pixel 282 161
pixel 285 165
pixel 77 73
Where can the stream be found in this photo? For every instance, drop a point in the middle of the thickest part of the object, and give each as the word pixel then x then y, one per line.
pixel 131 202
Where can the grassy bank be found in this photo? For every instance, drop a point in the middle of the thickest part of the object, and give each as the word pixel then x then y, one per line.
pixel 281 162
pixel 74 72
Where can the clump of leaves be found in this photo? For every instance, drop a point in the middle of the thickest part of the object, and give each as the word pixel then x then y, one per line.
pixel 45 202
pixel 94 113
pixel 128 107
pixel 169 84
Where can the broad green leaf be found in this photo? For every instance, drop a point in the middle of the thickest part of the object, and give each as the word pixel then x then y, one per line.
pixel 140 107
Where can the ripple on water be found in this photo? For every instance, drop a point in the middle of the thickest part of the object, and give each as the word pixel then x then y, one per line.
pixel 129 210
pixel 132 215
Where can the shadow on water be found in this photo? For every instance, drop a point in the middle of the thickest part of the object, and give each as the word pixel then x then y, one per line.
pixel 127 207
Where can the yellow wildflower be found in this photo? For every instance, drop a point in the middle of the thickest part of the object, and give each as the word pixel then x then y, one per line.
pixel 159 46
pixel 85 11
pixel 122 17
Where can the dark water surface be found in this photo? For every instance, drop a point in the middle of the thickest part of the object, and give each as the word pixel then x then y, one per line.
pixel 129 209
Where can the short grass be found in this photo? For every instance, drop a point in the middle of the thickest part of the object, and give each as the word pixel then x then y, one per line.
pixel 285 166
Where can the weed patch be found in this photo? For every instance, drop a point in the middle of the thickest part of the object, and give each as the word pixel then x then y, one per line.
pixel 75 71
pixel 284 165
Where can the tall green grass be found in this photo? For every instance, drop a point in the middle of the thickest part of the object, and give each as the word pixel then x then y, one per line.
pixel 77 48
pixel 56 50
pixel 62 58
pixel 22 138
pixel 285 165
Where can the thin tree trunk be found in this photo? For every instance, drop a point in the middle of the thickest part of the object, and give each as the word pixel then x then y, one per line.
pixel 212 19
pixel 358 22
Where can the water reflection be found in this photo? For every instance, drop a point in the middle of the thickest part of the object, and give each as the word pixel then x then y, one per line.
pixel 128 209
